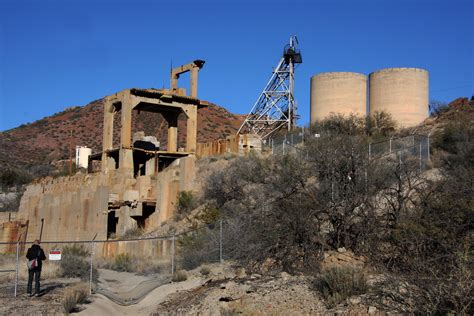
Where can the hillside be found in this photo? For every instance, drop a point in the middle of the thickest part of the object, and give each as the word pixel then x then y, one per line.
pixel 31 146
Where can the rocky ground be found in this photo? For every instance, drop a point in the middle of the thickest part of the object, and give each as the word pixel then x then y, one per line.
pixel 221 289
pixel 48 303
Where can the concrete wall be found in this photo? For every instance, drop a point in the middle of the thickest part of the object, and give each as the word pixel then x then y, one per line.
pixel 236 144
pixel 402 92
pixel 338 92
pixel 12 231
pixel 76 208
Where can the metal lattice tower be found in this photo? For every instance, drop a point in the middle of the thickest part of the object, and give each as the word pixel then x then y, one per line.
pixel 276 107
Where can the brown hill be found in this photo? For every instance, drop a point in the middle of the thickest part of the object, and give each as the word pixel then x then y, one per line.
pixel 35 146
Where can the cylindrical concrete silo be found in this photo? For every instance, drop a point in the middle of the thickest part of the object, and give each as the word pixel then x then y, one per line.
pixel 402 92
pixel 338 92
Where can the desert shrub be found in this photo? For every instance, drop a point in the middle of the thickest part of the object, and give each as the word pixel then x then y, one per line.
pixel 75 263
pixel 11 177
pixel 186 203
pixel 339 283
pixel 180 276
pixel 122 262
pixel 73 296
pixel 75 250
pixel 205 271
pixel 133 233
pixel 200 246
pixel 381 125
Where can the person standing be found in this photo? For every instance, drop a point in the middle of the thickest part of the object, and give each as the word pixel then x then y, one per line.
pixel 35 252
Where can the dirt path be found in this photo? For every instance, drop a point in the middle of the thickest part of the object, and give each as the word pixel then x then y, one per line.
pixel 150 295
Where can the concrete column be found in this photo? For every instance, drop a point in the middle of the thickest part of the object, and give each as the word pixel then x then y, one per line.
pixel 174 82
pixel 191 128
pixel 172 119
pixel 125 154
pixel 194 82
pixel 108 131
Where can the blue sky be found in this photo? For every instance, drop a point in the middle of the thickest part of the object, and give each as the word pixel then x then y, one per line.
pixel 56 54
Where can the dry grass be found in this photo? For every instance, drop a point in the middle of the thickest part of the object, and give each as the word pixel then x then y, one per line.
pixel 50 270
pixel 75 295
pixel 180 276
pixel 145 266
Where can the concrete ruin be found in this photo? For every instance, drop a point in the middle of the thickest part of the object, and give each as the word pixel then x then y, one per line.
pixel 134 185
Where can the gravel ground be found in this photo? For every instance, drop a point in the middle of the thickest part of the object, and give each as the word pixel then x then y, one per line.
pixel 48 303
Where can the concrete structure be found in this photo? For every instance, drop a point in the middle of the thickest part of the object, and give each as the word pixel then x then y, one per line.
pixel 338 92
pixel 133 185
pixel 82 156
pixel 402 92
pixel 193 68
pixel 235 144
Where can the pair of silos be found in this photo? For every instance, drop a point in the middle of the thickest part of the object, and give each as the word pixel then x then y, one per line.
pixel 402 92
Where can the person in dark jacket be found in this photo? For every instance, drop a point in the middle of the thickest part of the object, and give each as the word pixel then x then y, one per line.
pixel 35 252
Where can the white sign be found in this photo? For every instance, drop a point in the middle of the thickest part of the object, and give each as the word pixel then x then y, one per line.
pixel 55 255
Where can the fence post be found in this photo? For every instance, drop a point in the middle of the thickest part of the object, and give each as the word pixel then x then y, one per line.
pixel 369 150
pixel 420 157
pixel 390 148
pixel 428 145
pixel 284 146
pixel 221 260
pixel 172 254
pixel 91 268
pixel 16 269
pixel 91 274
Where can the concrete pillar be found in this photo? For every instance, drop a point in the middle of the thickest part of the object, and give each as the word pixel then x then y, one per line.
pixel 172 119
pixel 108 131
pixel 126 154
pixel 191 128
pixel 194 82
pixel 174 83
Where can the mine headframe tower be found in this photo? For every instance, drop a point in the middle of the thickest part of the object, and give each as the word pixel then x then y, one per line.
pixel 276 107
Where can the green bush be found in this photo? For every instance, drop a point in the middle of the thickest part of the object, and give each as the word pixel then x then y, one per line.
pixel 186 203
pixel 339 283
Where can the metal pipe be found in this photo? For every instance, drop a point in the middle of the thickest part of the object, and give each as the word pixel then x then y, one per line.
pixel 17 264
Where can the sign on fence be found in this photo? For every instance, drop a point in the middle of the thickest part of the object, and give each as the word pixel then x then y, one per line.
pixel 55 255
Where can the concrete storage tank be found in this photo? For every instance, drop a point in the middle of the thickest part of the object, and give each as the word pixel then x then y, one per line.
pixel 402 92
pixel 338 92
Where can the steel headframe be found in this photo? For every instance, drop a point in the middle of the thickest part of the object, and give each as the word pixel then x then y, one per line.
pixel 276 107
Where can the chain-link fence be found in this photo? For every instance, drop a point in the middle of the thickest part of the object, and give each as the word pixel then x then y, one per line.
pixel 412 147
pixel 97 262
pixel 402 148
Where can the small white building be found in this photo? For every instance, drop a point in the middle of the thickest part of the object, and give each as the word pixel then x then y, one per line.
pixel 82 156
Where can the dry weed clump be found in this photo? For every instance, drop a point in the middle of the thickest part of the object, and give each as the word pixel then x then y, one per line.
pixel 339 283
pixel 75 295
pixel 180 276
pixel 127 263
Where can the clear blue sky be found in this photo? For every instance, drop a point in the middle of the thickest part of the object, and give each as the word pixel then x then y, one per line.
pixel 56 54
